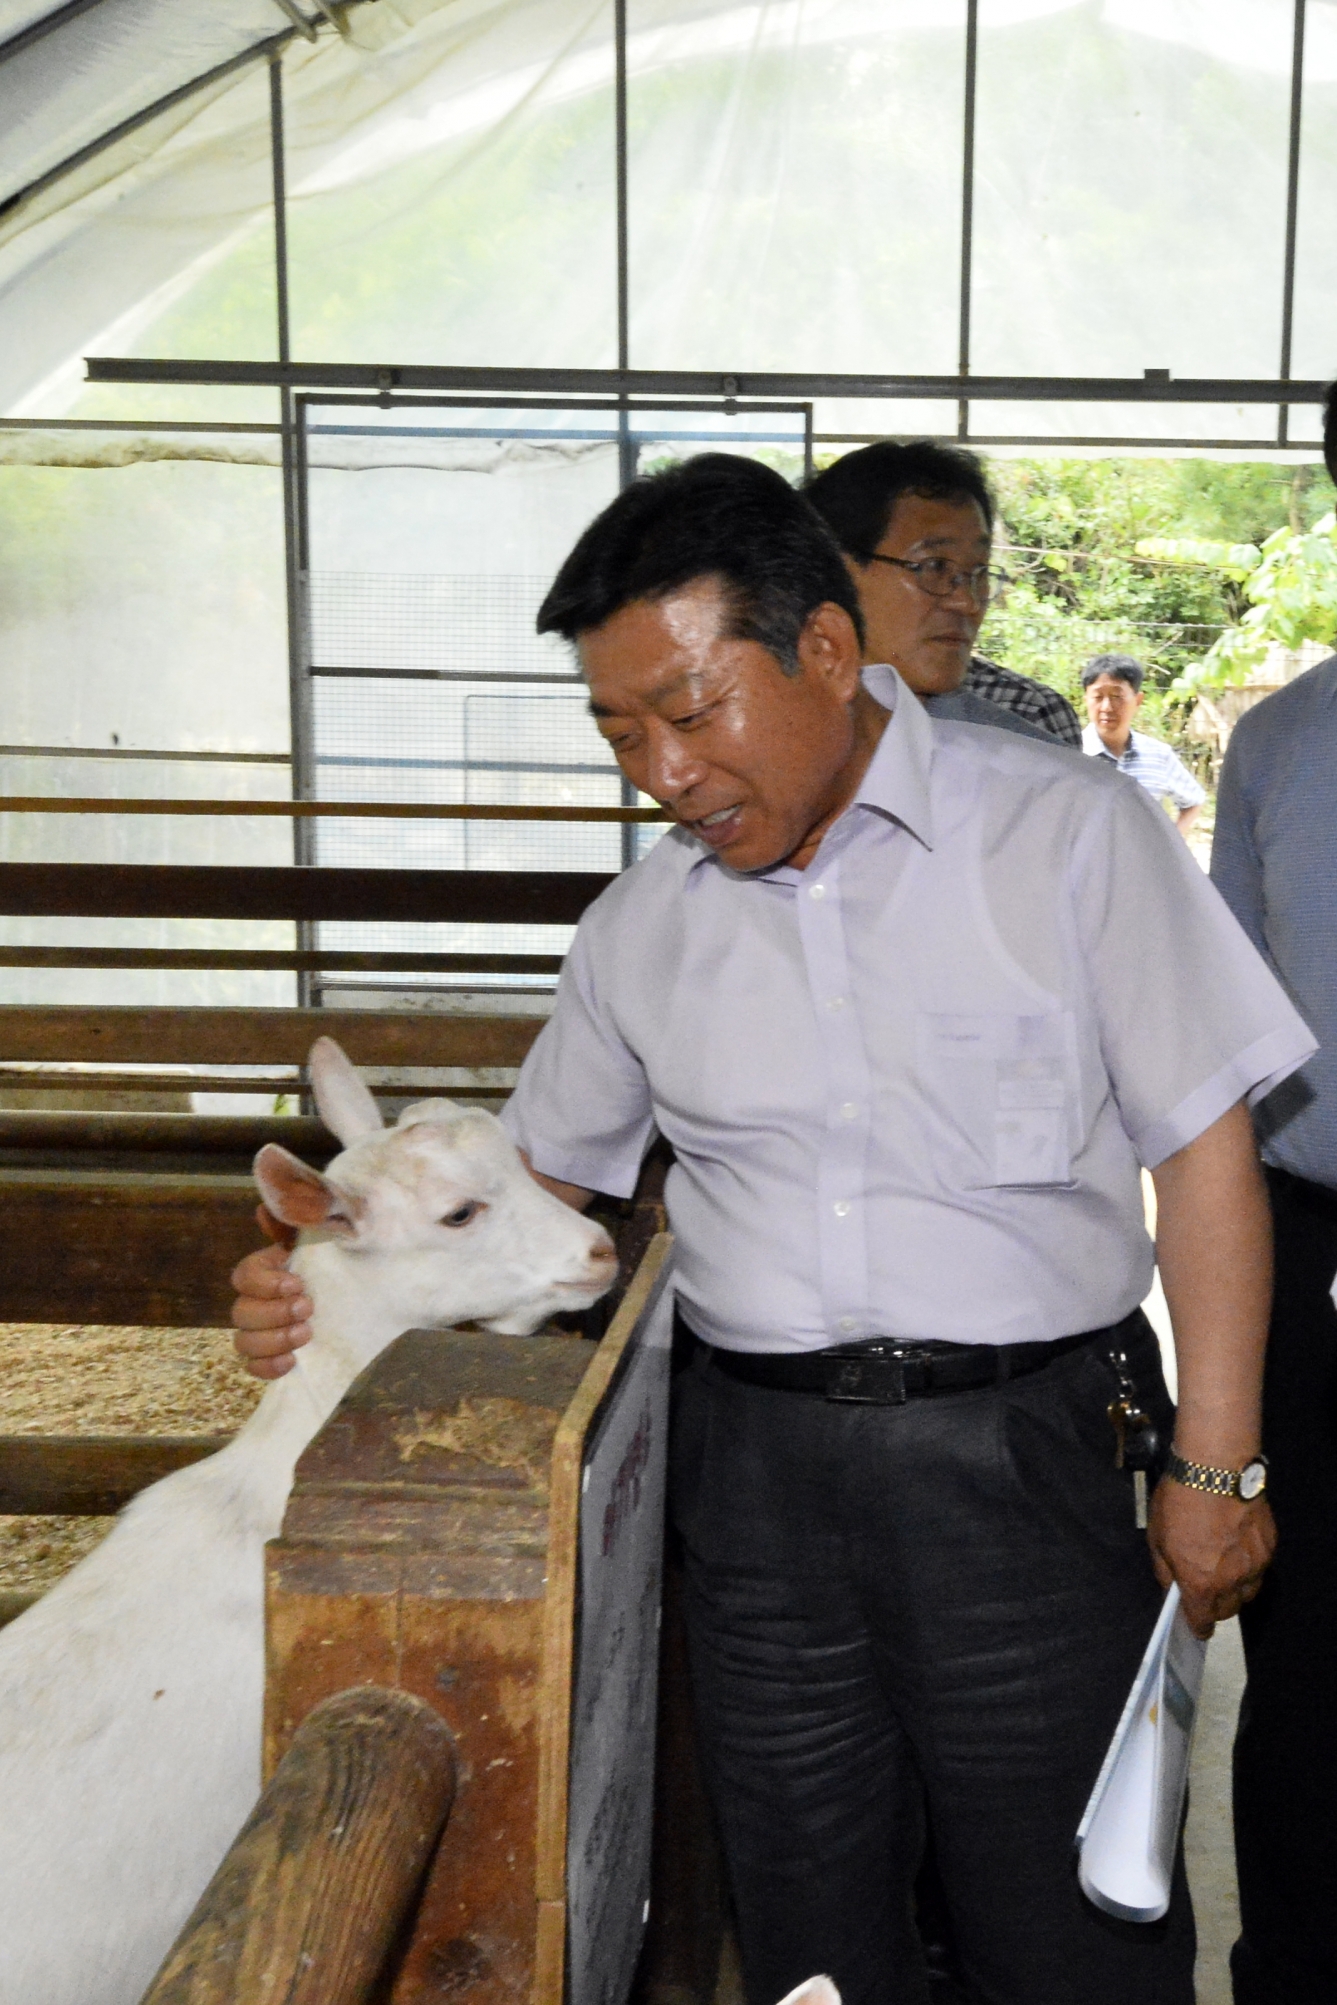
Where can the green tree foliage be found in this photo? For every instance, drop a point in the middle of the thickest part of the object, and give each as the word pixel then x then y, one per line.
pixel 1154 558
pixel 1290 583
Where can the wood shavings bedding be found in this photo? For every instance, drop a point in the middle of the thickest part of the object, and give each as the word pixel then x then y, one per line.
pixel 60 1378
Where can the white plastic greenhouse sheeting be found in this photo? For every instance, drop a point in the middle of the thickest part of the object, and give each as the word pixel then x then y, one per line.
pixel 143 608
pixel 795 179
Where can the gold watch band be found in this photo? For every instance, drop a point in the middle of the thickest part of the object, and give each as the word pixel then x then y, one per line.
pixel 1202 1476
pixel 1244 1484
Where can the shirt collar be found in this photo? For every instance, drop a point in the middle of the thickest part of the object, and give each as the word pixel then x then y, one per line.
pixel 897 781
pixel 1095 746
pixel 896 784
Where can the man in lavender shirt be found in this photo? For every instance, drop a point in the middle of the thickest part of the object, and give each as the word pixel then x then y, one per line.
pixel 913 1002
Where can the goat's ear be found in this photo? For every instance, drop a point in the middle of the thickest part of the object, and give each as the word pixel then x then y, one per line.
pixel 346 1105
pixel 817 1991
pixel 299 1195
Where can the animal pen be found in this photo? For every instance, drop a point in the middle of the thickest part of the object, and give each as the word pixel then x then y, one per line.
pixel 324 329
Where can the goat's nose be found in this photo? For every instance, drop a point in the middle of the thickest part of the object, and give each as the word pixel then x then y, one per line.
pixel 603 1259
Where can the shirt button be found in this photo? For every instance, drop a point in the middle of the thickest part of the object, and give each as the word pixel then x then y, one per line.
pixel 817 891
pixel 840 1207
pixel 836 1002
pixel 849 1322
pixel 849 1112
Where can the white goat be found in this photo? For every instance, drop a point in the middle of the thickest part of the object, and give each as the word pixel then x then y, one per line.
pixel 130 1695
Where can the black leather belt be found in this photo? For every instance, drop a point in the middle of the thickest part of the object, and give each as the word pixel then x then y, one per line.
pixel 887 1373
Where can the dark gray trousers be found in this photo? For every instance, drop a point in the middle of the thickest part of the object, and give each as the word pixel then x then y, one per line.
pixel 1286 1749
pixel 940 1603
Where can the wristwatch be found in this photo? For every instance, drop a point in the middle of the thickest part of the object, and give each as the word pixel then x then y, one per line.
pixel 1246 1483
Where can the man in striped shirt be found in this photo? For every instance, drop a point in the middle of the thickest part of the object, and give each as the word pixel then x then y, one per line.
pixel 1113 686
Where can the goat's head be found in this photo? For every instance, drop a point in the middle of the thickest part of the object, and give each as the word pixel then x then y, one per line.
pixel 445 1201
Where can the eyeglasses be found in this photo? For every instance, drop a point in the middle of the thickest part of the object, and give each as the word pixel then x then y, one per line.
pixel 940 578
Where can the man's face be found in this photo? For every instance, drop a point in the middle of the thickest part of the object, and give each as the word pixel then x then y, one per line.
pixel 755 762
pixel 928 640
pixel 1112 704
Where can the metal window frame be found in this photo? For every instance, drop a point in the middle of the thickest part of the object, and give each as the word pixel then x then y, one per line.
pixel 622 409
pixel 625 388
pixel 1282 393
pixel 265 50
pixel 1292 208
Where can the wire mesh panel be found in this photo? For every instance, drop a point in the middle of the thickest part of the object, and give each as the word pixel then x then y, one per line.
pixel 424 585
pixel 541 748
pixel 428 566
pixel 440 741
pixel 410 622
pixel 387 740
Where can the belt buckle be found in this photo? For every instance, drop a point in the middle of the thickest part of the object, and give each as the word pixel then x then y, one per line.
pixel 877 1378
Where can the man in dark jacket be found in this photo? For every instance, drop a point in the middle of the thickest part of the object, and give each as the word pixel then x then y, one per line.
pixel 1275 861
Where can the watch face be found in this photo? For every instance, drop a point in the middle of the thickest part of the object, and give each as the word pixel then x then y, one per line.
pixel 1253 1480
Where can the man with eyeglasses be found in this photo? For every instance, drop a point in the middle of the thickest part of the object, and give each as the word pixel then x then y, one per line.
pixel 915 523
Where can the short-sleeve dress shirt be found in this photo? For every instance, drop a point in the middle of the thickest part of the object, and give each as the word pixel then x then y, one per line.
pixel 1274 860
pixel 910 1087
pixel 1152 764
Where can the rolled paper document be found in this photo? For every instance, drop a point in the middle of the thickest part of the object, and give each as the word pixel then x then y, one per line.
pixel 1127 1838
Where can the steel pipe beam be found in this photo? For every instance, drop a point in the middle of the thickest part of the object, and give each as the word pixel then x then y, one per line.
pixel 1157 387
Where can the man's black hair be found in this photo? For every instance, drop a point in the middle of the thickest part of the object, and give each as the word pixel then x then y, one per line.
pixel 856 495
pixel 1121 665
pixel 1330 432
pixel 715 516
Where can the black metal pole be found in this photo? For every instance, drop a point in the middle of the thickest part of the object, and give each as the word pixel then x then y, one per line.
pixel 299 703
pixel 627 449
pixel 258 52
pixel 967 209
pixel 1292 210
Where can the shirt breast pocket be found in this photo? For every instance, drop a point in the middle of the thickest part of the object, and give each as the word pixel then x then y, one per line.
pixel 999 1098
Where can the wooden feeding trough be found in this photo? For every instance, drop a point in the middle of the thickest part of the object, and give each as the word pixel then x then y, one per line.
pixel 479 1525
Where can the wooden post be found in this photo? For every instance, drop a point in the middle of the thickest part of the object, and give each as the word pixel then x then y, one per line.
pixel 601 1655
pixel 306 1905
pixel 433 1542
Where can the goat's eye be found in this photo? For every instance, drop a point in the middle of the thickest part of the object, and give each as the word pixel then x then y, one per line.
pixel 462 1213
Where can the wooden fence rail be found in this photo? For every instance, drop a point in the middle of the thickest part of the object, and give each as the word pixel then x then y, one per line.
pixel 51 1079
pixel 90 1475
pixel 95 1231
pixel 228 891
pixel 307 1905
pixel 99 804
pixel 265 960
pixel 85 1476
pixel 86 1035
pixel 147 1135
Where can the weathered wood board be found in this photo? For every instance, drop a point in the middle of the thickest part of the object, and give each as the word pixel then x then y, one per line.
pixel 125 1218
pixel 601 1657
pixel 90 1475
pixel 432 1543
pixel 92 1036
pixel 110 1246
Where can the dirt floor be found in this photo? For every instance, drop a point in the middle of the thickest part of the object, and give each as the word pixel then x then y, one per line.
pixel 92 1379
